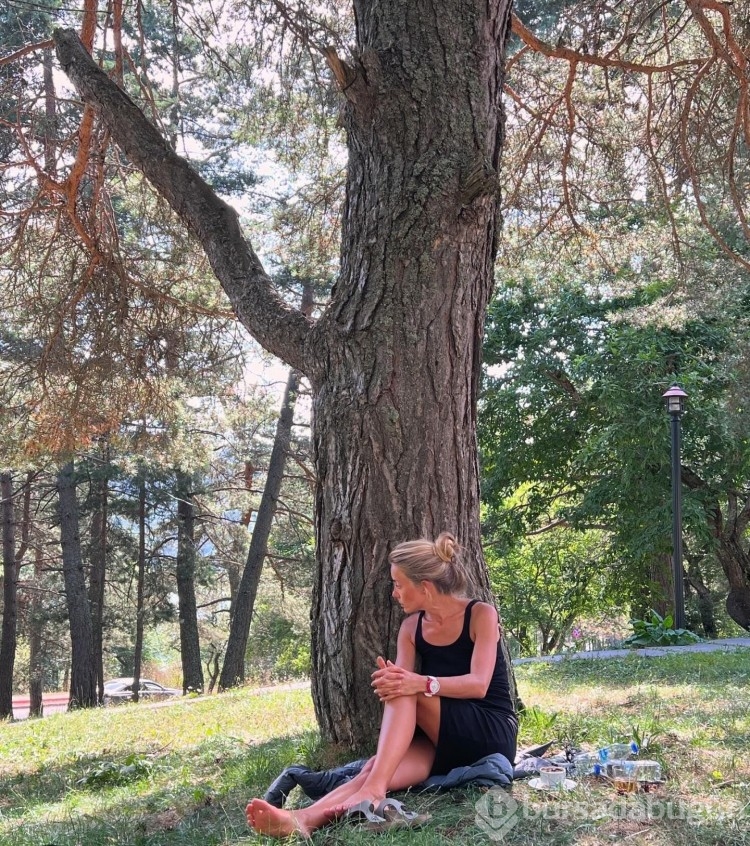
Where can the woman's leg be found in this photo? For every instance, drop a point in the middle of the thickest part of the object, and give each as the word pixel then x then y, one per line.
pixel 397 746
pixel 268 819
pixel 400 762
pixel 415 766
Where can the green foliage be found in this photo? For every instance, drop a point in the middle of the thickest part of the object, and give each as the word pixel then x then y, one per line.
pixel 537 723
pixel 648 734
pixel 111 773
pixel 571 417
pixel 547 582
pixel 279 643
pixel 656 630
pixel 617 287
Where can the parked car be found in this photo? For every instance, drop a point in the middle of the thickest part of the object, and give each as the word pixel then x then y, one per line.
pixel 121 690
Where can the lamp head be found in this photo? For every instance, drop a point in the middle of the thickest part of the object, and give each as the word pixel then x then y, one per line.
pixel 675 399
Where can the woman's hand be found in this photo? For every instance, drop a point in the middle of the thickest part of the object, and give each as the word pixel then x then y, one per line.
pixel 391 681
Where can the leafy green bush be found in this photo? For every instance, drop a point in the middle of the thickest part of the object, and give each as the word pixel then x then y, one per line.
pixel 656 630
pixel 279 643
pixel 109 773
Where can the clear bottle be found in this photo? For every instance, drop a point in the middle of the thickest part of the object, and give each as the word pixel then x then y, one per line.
pixel 586 763
pixel 647 771
pixel 617 751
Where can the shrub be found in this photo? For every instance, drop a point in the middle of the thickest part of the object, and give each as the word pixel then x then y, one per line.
pixel 656 630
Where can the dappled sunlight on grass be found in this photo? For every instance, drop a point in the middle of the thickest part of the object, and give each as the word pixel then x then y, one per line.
pixel 692 711
pixel 57 772
pixel 181 775
pixel 236 715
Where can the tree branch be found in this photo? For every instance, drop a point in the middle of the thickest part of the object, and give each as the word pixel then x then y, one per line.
pixel 691 479
pixel 577 56
pixel 24 51
pixel 279 328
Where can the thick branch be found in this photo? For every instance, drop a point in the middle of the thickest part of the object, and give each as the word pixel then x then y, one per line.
pixel 743 518
pixel 691 479
pixel 280 329
pixel 24 51
pixel 345 75
pixel 576 56
pixel 729 50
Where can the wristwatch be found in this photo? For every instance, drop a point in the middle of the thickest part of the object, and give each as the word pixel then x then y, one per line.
pixel 432 687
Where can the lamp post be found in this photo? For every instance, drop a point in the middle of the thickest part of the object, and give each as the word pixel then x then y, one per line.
pixel 675 399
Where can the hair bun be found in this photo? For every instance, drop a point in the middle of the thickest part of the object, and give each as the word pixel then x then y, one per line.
pixel 446 546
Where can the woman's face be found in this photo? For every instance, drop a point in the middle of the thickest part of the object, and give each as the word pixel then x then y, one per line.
pixel 410 596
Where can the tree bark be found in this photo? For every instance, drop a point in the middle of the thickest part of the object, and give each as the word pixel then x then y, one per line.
pixel 729 531
pixel 139 591
pixel 98 566
pixel 192 668
pixel 213 666
pixel 83 669
pixel 395 413
pixel 36 634
pixel 694 577
pixel 394 362
pixel 735 562
pixel 10 598
pixel 233 670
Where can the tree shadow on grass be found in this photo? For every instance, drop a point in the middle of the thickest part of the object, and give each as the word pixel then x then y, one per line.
pixel 69 806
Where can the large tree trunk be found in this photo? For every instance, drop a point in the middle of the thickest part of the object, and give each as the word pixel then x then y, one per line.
pixel 735 562
pixel 10 598
pixel 83 669
pixel 394 361
pixel 243 602
pixel 729 529
pixel 192 669
pixel 694 577
pixel 395 410
pixel 12 560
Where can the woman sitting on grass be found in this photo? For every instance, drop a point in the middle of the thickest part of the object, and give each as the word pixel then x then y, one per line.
pixel 456 711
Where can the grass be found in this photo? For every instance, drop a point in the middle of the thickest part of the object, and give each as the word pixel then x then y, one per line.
pixel 162 776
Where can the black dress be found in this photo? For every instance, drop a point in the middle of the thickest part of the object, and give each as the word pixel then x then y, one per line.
pixel 469 728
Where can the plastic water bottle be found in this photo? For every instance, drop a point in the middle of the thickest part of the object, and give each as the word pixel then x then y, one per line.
pixel 617 751
pixel 586 763
pixel 648 772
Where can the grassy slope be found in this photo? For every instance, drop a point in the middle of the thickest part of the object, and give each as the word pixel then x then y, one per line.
pixel 186 770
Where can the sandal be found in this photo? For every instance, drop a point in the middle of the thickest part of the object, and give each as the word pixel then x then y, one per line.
pixel 364 812
pixel 396 815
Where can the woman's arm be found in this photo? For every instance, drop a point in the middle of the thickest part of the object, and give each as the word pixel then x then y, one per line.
pixel 392 680
pixel 388 679
pixel 485 631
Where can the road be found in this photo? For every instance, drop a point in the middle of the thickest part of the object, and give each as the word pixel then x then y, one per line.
pixel 51 702
pixel 58 702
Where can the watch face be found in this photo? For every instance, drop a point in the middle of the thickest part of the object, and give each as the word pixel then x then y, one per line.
pixel 434 686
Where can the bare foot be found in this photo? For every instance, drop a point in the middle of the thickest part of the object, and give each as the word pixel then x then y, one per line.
pixel 275 822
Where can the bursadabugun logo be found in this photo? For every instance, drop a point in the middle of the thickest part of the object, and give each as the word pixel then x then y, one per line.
pixel 496 813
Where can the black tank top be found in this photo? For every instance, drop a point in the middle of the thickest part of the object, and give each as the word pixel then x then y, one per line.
pixel 455 660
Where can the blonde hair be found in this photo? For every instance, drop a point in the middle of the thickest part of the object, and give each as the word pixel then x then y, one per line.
pixel 432 561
